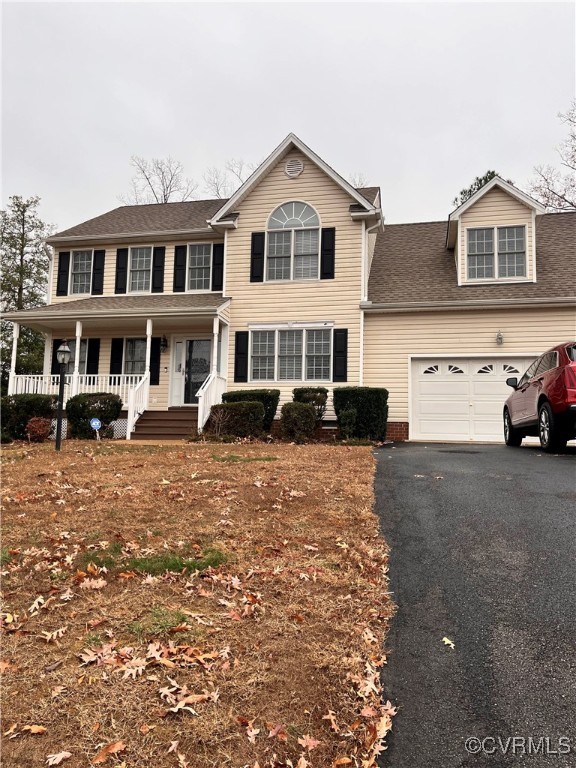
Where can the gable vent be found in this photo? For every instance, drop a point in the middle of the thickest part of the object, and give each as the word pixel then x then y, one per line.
pixel 293 167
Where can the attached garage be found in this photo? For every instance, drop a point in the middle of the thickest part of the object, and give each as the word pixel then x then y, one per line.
pixel 460 398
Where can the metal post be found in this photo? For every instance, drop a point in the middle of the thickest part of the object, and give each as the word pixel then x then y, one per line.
pixel 60 407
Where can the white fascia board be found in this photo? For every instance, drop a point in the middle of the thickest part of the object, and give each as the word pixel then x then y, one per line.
pixel 434 306
pixel 291 324
pixel 176 233
pixel 290 141
pixel 522 197
pixel 374 213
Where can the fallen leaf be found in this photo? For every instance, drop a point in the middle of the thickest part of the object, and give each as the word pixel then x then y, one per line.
pixel 332 717
pixel 34 728
pixel 368 712
pixel 252 733
pixel 57 690
pixel 173 747
pixel 57 758
pixel 11 730
pixel 146 728
pixel 447 641
pixel 308 742
pixel 109 749
pixel 341 761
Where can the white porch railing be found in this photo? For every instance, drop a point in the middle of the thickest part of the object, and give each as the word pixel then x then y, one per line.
pixel 209 394
pixel 137 403
pixel 115 384
pixel 37 384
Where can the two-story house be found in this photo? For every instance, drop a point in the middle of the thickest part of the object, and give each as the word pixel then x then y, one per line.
pixel 296 280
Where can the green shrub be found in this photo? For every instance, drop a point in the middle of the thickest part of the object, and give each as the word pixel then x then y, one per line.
pixel 298 421
pixel 81 408
pixel 371 406
pixel 242 419
pixel 38 429
pixel 347 422
pixel 268 397
pixel 315 396
pixel 5 438
pixel 17 410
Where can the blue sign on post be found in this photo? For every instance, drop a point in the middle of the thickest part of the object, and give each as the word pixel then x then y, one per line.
pixel 95 424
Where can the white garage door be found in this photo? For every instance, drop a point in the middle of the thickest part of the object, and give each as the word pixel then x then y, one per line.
pixel 461 398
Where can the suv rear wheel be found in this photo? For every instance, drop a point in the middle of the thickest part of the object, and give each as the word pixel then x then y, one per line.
pixel 551 438
pixel 511 436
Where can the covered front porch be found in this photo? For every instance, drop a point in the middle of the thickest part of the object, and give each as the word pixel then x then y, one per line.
pixel 163 356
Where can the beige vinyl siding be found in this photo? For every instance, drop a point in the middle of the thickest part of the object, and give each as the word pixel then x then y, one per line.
pixel 497 209
pixel 110 266
pixel 334 300
pixel 390 338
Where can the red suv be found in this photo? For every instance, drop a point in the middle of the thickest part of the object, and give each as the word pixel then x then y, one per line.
pixel 543 403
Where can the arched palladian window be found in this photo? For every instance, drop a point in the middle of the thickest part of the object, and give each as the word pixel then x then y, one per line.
pixel 293 243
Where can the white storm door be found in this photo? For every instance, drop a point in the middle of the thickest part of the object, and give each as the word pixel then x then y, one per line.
pixel 190 366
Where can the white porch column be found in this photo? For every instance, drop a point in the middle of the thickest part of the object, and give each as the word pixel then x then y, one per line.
pixel 74 388
pixel 215 331
pixel 148 343
pixel 15 337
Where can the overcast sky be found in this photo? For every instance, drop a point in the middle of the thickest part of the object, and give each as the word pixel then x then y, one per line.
pixel 420 98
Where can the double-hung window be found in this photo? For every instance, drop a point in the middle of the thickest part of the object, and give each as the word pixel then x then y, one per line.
pixel 140 269
pixel 135 356
pixel 81 272
pixel 496 253
pixel 199 267
pixel 293 243
pixel 82 360
pixel 291 355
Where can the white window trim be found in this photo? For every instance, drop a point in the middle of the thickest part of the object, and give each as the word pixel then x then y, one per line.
pixel 497 278
pixel 128 277
pixel 126 339
pixel 86 341
pixel 292 279
pixel 81 250
pixel 294 327
pixel 199 290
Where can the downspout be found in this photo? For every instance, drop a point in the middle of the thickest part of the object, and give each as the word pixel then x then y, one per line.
pixel 365 278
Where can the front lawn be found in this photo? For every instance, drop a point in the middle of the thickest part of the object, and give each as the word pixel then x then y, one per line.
pixel 192 606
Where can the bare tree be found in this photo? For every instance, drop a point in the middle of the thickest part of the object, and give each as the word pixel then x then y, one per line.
pixel 222 183
pixel 358 180
pixel 554 188
pixel 160 180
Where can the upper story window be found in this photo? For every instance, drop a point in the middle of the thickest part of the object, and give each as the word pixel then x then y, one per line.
pixel 496 253
pixel 199 267
pixel 140 269
pixel 293 243
pixel 81 272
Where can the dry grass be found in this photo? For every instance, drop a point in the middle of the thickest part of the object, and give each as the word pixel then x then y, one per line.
pixel 269 636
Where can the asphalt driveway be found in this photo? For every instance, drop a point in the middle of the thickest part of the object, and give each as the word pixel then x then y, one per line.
pixel 483 542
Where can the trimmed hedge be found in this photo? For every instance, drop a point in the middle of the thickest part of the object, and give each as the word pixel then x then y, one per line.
pixel 242 419
pixel 298 421
pixel 371 406
pixel 17 410
pixel 99 405
pixel 316 397
pixel 268 397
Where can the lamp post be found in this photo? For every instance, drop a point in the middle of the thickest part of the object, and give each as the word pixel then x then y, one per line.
pixel 63 357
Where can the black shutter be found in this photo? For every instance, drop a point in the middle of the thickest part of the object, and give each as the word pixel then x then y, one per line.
pixel 98 273
pixel 179 268
pixel 155 360
pixel 241 356
pixel 55 367
pixel 121 270
pixel 257 257
pixel 217 266
pixel 63 273
pixel 158 269
pixel 327 250
pixel 93 356
pixel 340 355
pixel 116 355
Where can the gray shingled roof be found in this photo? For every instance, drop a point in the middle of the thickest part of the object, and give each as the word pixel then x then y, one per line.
pixel 412 264
pixel 206 303
pixel 158 218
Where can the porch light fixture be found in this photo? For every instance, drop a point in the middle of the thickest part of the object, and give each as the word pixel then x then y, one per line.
pixel 163 344
pixel 63 357
pixel 499 338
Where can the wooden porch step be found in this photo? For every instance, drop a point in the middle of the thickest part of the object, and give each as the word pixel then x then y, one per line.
pixel 175 424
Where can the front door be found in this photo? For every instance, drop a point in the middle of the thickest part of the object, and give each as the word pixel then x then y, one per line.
pixel 190 368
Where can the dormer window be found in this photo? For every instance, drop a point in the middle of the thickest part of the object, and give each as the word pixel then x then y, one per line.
pixel 293 243
pixel 496 253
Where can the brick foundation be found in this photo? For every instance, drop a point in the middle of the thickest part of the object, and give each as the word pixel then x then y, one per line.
pixel 397 431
